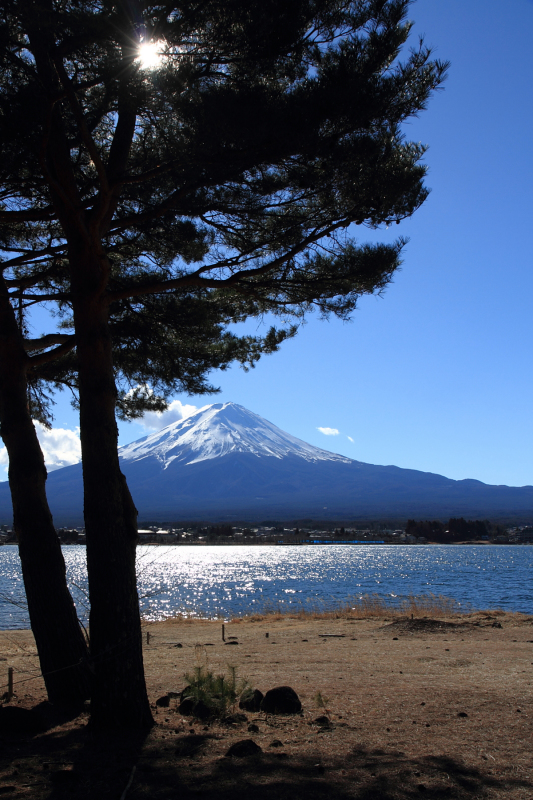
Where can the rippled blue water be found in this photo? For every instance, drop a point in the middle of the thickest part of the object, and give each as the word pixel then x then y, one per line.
pixel 226 580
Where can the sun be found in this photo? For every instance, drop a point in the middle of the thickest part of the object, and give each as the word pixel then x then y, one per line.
pixel 151 54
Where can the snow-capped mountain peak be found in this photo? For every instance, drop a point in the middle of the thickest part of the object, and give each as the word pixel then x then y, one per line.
pixel 218 430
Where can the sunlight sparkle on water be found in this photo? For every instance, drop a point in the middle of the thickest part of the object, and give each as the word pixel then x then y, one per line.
pixel 226 581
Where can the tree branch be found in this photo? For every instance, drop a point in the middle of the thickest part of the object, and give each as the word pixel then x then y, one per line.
pixel 194 279
pixel 51 355
pixel 161 169
pixel 82 125
pixel 28 215
pixel 33 299
pixel 30 345
pixel 28 257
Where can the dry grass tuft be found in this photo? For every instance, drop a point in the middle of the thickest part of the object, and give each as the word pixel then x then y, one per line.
pixel 365 607
pixel 369 606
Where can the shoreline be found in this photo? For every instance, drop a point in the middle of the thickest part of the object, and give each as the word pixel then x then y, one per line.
pixel 374 609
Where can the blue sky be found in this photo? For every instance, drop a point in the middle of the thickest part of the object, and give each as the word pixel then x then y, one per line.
pixel 436 375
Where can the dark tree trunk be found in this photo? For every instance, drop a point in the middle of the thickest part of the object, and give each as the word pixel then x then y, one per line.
pixel 119 695
pixel 60 641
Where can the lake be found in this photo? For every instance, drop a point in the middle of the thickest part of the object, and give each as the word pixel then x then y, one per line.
pixel 226 580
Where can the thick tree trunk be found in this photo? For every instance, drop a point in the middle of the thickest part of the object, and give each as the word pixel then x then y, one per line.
pixel 119 695
pixel 61 645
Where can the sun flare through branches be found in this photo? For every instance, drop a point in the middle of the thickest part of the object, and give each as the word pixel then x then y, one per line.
pixel 151 54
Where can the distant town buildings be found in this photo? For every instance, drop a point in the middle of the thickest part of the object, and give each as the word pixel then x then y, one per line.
pixel 278 535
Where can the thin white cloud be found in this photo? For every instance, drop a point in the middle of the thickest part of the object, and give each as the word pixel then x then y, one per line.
pixel 61 447
pixel 155 421
pixel 350 438
pixel 329 431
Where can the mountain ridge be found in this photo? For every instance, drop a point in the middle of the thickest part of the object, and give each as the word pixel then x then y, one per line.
pixel 225 463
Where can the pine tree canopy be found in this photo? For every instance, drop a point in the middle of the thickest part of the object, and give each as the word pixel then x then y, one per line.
pixel 169 343
pixel 211 156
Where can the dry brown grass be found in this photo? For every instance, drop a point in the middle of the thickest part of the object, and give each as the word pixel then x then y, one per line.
pixel 370 606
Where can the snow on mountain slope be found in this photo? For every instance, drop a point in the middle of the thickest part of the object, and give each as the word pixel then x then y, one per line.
pixel 218 430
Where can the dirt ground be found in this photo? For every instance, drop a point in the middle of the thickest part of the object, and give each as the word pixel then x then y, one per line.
pixel 417 707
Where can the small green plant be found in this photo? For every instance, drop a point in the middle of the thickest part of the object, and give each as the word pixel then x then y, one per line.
pixel 218 692
pixel 321 702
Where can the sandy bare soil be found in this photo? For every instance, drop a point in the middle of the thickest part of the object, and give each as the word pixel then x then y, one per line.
pixel 417 707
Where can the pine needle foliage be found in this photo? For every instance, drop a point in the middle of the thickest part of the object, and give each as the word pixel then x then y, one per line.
pixel 218 692
pixel 217 183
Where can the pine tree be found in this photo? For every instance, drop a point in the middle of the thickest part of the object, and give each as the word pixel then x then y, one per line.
pixel 233 165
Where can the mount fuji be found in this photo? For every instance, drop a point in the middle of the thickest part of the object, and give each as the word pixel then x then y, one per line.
pixel 225 463
pixel 220 430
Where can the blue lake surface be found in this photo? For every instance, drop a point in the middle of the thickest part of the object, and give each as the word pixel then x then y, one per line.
pixel 228 580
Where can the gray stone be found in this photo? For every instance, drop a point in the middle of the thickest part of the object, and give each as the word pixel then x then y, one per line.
pixel 281 700
pixel 186 706
pixel 244 748
pixel 251 700
pixel 191 707
pixel 163 702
